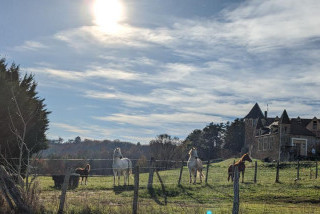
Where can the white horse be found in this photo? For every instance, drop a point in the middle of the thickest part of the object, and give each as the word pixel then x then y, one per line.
pixel 194 165
pixel 121 166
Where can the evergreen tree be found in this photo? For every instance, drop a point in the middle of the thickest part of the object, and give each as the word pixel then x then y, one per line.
pixel 23 117
pixel 208 141
pixel 234 138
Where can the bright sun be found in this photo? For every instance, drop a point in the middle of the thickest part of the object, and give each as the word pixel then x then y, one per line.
pixel 107 14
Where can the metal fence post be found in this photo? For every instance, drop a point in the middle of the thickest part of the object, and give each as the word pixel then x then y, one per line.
pixel 255 171
pixel 207 172
pixel 180 175
pixel 298 169
pixel 316 169
pixel 277 174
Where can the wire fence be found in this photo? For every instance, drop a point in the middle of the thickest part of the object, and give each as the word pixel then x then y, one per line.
pixel 168 174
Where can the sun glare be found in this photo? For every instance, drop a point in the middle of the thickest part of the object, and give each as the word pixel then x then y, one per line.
pixel 107 14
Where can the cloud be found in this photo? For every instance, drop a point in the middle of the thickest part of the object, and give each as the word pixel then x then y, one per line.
pixel 154 120
pixel 93 72
pixel 30 46
pixel 189 72
pixel 70 128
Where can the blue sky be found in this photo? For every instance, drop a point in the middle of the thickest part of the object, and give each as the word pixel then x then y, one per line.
pixel 134 69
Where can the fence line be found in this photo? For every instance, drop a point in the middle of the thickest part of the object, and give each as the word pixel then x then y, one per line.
pixel 154 169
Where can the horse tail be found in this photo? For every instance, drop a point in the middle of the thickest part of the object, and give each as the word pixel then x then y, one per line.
pixel 201 173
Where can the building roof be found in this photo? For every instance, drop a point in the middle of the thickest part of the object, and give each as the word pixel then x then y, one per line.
pixel 259 124
pixel 298 129
pixel 255 112
pixel 285 118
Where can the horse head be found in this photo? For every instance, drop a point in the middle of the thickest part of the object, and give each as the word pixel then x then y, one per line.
pixel 193 153
pixel 246 157
pixel 87 167
pixel 117 153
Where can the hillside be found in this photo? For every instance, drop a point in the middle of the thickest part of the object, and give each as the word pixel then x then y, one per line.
pixel 94 149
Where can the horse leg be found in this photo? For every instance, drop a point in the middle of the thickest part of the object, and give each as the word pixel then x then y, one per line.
pixel 195 177
pixel 128 175
pixel 190 179
pixel 118 178
pixel 85 180
pixel 200 172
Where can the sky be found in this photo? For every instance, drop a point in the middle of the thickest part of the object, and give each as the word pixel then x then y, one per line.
pixel 135 69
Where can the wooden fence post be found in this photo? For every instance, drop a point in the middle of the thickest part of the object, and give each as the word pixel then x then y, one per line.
pixel 151 172
pixel 235 209
pixel 255 171
pixel 298 169
pixel 277 174
pixel 207 173
pixel 136 191
pixel 180 175
pixel 316 169
pixel 64 191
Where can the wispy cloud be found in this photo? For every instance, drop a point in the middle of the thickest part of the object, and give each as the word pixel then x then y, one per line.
pixel 70 128
pixel 155 120
pixel 30 46
pixel 93 72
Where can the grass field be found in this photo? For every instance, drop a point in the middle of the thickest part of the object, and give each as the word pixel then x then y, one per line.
pixel 265 196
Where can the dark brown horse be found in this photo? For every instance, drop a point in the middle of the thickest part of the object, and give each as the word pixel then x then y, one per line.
pixel 241 166
pixel 84 172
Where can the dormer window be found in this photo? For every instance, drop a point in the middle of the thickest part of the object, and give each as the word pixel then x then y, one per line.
pixel 314 125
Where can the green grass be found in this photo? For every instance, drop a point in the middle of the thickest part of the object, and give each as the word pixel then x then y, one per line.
pixel 266 196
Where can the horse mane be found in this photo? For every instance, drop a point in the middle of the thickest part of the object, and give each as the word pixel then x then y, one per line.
pixel 241 159
pixel 88 167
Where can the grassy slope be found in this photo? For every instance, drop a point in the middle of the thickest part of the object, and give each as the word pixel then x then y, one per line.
pixel 265 196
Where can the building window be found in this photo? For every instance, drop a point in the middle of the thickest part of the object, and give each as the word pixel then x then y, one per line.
pixel 265 144
pixel 260 145
pixel 270 142
pixel 314 125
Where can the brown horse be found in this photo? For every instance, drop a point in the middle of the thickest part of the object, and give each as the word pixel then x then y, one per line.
pixel 241 166
pixel 84 172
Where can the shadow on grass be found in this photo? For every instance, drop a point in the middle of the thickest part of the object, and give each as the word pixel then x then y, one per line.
pixel 190 194
pixel 219 191
pixel 120 189
pixel 154 196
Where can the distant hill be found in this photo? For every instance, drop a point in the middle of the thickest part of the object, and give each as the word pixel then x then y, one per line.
pixel 95 149
pixel 59 156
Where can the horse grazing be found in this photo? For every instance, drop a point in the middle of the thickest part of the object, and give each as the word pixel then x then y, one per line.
pixel 84 172
pixel 194 165
pixel 121 166
pixel 241 166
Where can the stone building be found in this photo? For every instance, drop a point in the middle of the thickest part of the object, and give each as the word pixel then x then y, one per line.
pixel 280 138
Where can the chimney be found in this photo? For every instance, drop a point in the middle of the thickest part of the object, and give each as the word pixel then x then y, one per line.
pixel 265 114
